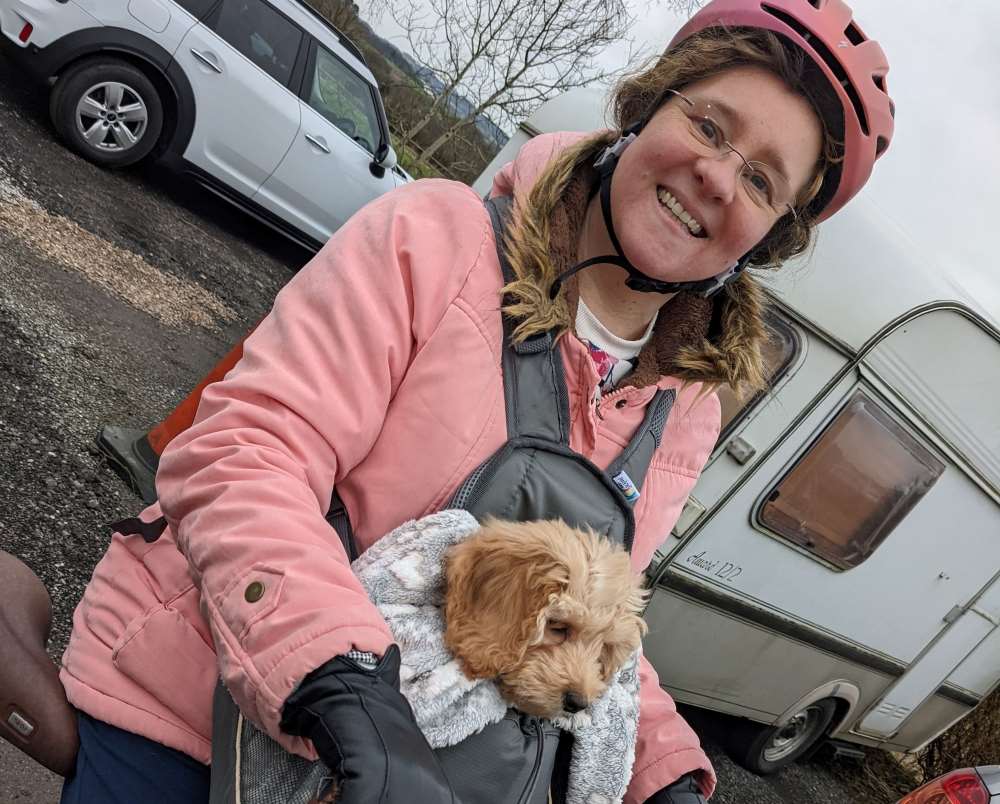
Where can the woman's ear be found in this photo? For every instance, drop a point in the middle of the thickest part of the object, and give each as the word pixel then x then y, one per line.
pixel 499 584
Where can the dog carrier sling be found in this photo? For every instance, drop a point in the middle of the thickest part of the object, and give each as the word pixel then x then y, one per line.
pixel 534 475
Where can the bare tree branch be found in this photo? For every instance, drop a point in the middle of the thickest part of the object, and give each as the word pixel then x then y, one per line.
pixel 685 7
pixel 502 57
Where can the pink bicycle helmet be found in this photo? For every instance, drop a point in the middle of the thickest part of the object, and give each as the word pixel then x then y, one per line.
pixel 854 65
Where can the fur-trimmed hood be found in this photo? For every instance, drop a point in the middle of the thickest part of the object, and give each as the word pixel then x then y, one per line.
pixel 715 341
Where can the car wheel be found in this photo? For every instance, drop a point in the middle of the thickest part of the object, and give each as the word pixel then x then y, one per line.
pixel 107 111
pixel 768 749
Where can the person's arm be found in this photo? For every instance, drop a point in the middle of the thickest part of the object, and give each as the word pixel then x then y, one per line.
pixel 245 488
pixel 667 749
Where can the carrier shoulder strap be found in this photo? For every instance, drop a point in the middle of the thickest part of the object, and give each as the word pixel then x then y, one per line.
pixel 533 381
pixel 340 521
pixel 535 385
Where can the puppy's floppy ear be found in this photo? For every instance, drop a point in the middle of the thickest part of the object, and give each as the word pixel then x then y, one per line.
pixel 499 584
pixel 628 627
pixel 621 641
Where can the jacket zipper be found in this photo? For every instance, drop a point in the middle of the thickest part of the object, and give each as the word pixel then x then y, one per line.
pixel 529 788
pixel 597 403
pixel 600 399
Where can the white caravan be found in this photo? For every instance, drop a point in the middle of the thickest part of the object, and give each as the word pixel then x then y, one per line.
pixel 836 571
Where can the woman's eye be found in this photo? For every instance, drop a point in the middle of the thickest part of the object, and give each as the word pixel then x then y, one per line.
pixel 760 184
pixel 709 130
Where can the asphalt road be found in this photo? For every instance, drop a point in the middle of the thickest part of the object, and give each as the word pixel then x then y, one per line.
pixel 118 290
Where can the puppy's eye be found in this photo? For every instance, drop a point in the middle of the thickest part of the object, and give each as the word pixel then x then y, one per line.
pixel 556 632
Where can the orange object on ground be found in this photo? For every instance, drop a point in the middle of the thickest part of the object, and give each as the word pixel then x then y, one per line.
pixel 135 454
pixel 182 416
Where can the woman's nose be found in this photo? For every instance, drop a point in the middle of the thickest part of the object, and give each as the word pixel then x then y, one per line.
pixel 573 703
pixel 718 176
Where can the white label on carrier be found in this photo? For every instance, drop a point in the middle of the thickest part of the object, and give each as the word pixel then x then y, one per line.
pixel 627 487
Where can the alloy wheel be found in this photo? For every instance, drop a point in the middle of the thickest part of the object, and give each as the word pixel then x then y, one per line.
pixel 111 117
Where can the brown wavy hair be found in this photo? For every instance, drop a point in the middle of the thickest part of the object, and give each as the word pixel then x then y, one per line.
pixel 636 98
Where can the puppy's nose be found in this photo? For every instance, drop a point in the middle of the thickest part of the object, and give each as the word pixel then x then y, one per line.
pixel 573 703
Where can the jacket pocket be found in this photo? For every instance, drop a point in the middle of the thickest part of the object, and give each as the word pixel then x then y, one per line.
pixel 163 653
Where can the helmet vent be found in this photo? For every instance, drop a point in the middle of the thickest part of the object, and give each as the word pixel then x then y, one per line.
pixel 881 143
pixel 854 36
pixel 827 56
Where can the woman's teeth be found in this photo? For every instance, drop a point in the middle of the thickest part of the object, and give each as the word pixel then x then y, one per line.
pixel 671 203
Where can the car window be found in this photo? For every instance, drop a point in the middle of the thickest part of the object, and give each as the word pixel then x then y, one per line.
pixel 196 8
pixel 343 98
pixel 260 33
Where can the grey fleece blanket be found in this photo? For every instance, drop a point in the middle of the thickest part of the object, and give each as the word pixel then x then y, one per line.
pixel 403 574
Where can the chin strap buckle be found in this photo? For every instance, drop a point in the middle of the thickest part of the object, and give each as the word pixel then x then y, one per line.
pixel 719 281
pixel 613 152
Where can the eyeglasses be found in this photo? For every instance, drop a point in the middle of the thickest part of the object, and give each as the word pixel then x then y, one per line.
pixel 763 184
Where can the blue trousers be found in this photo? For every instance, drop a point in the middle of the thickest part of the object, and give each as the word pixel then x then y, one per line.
pixel 117 767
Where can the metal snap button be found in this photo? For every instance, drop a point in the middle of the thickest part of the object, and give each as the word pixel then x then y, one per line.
pixel 254 592
pixel 621 403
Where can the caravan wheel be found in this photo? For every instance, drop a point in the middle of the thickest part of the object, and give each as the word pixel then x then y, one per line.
pixel 767 749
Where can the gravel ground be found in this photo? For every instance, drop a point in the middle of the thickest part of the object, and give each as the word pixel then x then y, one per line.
pixel 117 292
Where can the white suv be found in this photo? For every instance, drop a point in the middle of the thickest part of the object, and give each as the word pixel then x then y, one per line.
pixel 262 101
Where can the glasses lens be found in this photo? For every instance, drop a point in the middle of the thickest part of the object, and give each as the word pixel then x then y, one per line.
pixel 766 186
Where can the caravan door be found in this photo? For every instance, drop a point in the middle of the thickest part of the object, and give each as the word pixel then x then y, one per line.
pixel 948 368
pixel 847 547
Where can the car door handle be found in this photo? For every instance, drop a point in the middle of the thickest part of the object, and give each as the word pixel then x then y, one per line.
pixel 206 60
pixel 318 142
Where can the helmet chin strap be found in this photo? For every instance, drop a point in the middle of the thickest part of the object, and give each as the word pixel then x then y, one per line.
pixel 637 280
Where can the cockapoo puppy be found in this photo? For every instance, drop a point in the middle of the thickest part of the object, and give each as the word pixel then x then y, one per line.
pixel 548 611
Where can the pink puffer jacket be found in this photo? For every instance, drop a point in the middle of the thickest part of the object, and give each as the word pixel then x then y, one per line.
pixel 378 370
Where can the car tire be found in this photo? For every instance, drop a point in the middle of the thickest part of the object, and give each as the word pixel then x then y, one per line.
pixel 767 749
pixel 108 111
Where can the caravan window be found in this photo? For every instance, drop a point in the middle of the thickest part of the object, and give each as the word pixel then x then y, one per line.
pixel 852 487
pixel 779 351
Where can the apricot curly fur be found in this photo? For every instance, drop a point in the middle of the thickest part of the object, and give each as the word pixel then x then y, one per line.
pixel 544 609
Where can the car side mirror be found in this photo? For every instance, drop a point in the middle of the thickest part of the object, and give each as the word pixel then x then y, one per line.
pixel 385 156
pixel 385 159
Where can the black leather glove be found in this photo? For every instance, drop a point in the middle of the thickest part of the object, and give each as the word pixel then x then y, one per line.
pixel 363 729
pixel 684 791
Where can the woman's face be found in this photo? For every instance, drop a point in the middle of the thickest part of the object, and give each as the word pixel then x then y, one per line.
pixel 666 165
